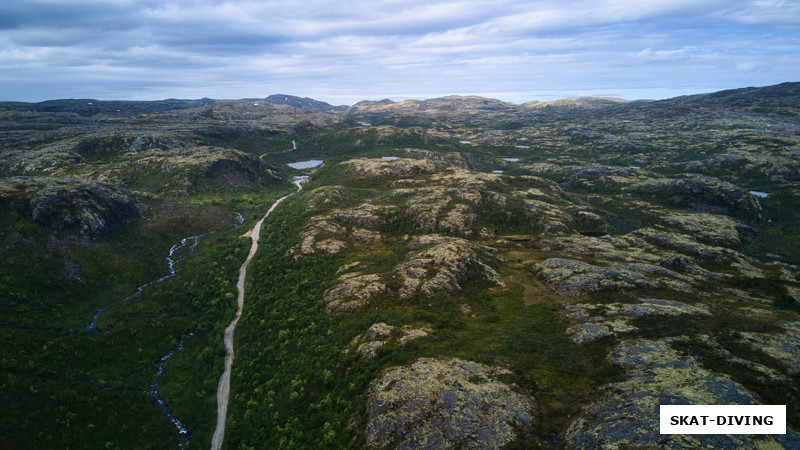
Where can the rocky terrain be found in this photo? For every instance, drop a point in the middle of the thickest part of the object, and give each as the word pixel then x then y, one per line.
pixel 459 272
pixel 445 404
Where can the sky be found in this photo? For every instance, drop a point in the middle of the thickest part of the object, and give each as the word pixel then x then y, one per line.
pixel 345 51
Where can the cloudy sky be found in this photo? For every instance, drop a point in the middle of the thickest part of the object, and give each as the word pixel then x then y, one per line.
pixel 344 51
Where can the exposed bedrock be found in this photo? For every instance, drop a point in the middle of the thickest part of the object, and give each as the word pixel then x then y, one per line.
pixel 446 404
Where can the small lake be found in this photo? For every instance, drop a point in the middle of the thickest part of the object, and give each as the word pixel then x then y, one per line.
pixel 497 171
pixel 760 194
pixel 465 142
pixel 390 158
pixel 510 159
pixel 310 164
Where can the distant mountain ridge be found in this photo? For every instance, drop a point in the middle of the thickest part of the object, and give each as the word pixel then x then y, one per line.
pixel 783 95
pixel 301 102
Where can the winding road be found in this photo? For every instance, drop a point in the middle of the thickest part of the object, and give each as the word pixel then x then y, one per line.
pixel 223 389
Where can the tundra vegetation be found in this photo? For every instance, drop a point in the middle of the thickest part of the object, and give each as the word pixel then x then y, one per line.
pixel 459 272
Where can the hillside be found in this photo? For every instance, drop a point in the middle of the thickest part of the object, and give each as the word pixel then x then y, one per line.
pixel 301 103
pixel 457 272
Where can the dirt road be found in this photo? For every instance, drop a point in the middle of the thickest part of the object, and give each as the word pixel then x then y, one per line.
pixel 223 389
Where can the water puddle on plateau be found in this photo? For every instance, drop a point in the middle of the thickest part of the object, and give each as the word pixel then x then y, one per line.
pixel 310 164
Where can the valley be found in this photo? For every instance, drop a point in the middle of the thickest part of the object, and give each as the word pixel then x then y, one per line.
pixel 457 272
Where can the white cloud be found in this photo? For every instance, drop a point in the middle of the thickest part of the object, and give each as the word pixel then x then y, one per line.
pixel 766 12
pixel 373 48
pixel 662 55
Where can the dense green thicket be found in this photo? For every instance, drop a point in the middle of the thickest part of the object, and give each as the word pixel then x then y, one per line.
pixel 292 385
pixel 94 386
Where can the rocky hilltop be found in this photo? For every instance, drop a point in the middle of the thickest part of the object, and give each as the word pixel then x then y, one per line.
pixel 457 272
pixel 301 103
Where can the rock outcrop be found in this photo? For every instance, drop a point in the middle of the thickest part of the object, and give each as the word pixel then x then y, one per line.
pixel 548 218
pixel 627 414
pixel 446 404
pixel 325 196
pixel 646 258
pixel 714 229
pixel 226 166
pixel 575 277
pixel 101 146
pixel 381 334
pixel 400 168
pixel 353 293
pixel 445 266
pixel 341 228
pixel 701 193
pixel 609 319
pixel 70 207
pixel 784 347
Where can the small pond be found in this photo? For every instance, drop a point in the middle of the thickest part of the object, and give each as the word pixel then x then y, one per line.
pixel 390 158
pixel 510 159
pixel 310 164
pixel 760 194
pixel 497 171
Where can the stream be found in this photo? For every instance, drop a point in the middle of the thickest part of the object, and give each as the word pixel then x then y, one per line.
pixel 177 253
pixel 239 220
pixel 155 383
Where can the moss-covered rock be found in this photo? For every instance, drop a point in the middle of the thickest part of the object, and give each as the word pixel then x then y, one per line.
pixel 341 229
pixel 785 347
pixel 400 168
pixel 325 196
pixel 645 258
pixel 627 414
pixel 610 319
pixel 715 229
pixel 548 217
pixel 588 332
pixel 380 334
pixel 69 207
pixel 445 266
pixel 573 277
pixel 700 192
pixel 353 293
pixel 446 404
pixel 688 246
